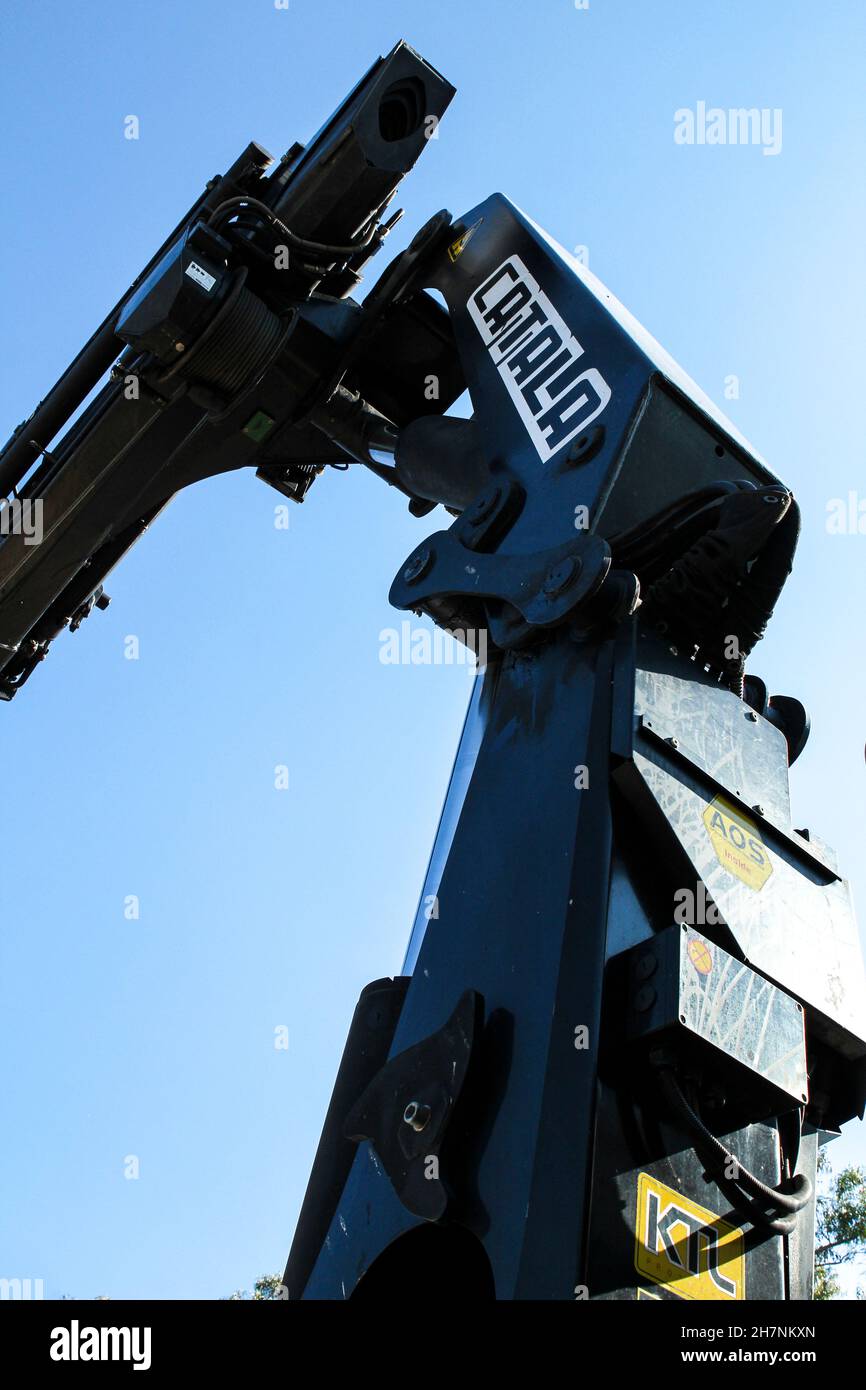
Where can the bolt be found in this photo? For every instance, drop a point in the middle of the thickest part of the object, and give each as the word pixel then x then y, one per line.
pixel 759 808
pixel 418 565
pixel 563 574
pixel 644 999
pixel 180 347
pixel 586 445
pixel 416 1115
pixel 751 716
pixel 646 965
pixel 484 506
pixel 674 742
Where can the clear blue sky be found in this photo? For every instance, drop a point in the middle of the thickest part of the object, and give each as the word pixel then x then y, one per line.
pixel 154 777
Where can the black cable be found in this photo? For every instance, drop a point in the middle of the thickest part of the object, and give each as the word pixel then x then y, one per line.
pixel 303 242
pixel 749 1208
pixel 656 541
pixel 793 1201
pixel 249 249
pixel 745 1206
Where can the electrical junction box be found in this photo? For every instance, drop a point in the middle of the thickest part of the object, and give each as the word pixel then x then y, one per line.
pixel 741 1036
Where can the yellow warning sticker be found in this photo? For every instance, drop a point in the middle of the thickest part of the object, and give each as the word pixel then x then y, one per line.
pixel 738 844
pixel 457 247
pixel 700 955
pixel 683 1247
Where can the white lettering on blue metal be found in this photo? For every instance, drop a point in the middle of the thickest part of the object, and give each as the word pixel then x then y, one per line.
pixel 537 357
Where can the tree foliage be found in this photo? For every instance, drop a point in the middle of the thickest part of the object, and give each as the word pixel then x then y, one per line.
pixel 269 1286
pixel 840 1226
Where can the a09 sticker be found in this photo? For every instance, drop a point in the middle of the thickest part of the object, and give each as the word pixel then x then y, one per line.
pixel 738 844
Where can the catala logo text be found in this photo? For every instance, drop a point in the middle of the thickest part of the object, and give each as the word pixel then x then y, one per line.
pixel 538 357
pixel 76 1343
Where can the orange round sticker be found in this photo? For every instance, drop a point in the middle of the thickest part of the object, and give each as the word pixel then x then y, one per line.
pixel 700 955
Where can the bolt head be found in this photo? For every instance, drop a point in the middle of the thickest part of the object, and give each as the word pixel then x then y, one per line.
pixel 644 999
pixel 561 575
pixel 484 506
pixel 416 1115
pixel 418 565
pixel 646 965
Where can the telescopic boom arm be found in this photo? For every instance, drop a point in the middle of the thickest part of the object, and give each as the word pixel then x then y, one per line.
pixel 633 1001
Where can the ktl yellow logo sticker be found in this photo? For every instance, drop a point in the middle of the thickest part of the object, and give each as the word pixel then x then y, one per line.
pixel 682 1246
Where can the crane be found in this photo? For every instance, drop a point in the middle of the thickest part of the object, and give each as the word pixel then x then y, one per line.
pixel 633 1000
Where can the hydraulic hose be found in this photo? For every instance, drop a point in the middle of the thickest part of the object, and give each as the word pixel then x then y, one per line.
pixel 721 1158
